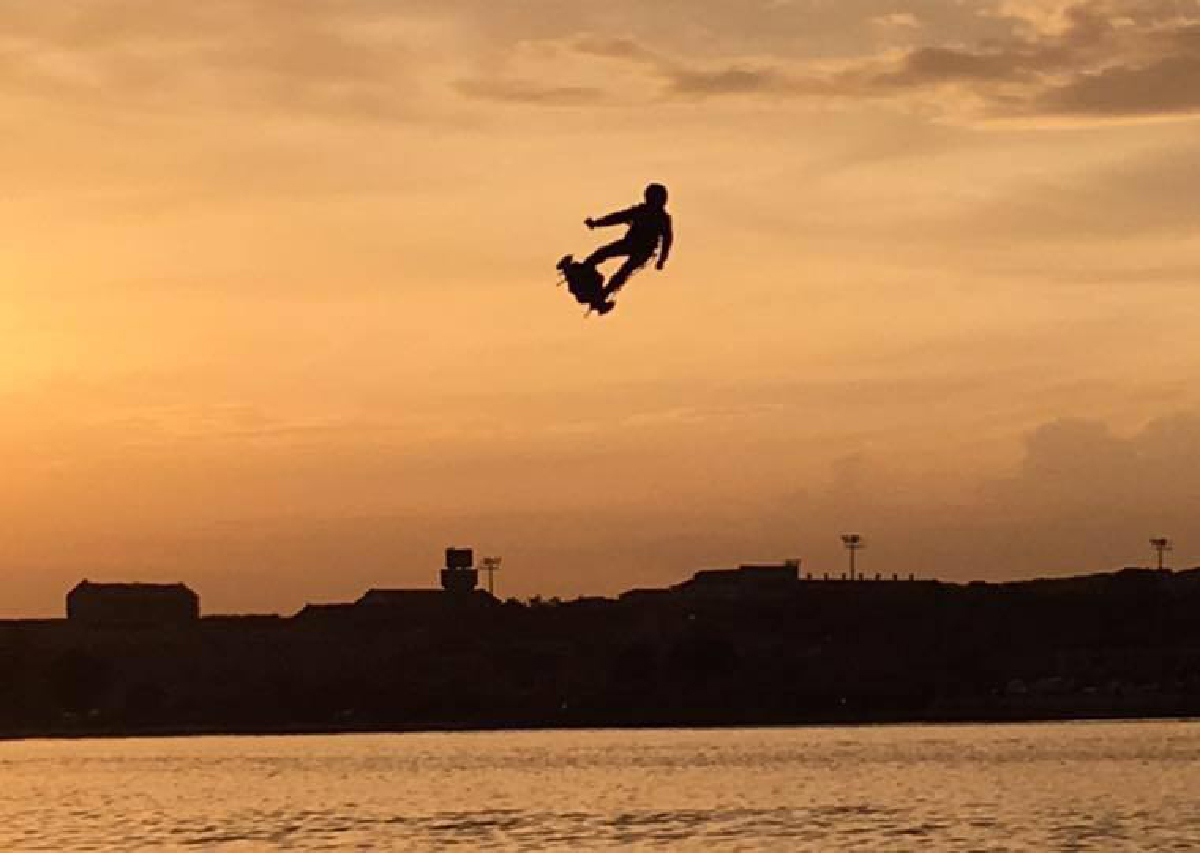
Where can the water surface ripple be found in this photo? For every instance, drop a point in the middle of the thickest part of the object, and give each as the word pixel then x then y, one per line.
pixel 1079 786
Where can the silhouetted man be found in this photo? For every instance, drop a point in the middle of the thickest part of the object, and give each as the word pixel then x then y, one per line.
pixel 649 231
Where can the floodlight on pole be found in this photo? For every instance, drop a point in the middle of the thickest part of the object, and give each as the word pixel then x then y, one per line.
pixel 853 542
pixel 1160 545
pixel 491 565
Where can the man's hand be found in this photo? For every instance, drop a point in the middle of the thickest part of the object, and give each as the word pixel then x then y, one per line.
pixel 589 222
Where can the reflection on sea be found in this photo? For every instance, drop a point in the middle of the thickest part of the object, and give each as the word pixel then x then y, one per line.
pixel 1082 786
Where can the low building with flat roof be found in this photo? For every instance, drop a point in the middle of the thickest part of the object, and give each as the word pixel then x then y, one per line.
pixel 753 579
pixel 132 603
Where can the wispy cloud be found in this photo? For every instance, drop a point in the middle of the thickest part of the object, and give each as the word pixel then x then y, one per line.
pixel 529 92
pixel 1089 59
pixel 137 55
pixel 1081 59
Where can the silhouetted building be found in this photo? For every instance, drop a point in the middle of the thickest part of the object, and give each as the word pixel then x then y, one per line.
pixel 458 594
pixel 754 645
pixel 132 603
pixel 646 596
pixel 746 580
pixel 460 574
pixel 398 597
pixel 339 611
pixel 397 607
pixel 459 558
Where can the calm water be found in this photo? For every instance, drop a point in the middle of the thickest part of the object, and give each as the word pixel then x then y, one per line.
pixel 1083 786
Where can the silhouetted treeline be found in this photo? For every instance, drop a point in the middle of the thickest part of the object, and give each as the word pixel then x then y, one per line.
pixel 1124 644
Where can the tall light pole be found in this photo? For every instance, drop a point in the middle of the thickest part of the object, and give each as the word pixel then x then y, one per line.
pixel 1160 545
pixel 853 542
pixel 491 565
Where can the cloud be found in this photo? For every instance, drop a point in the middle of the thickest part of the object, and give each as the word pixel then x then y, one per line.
pixel 1082 497
pixel 1086 59
pixel 1083 59
pixel 529 92
pixel 676 77
pixel 730 80
pixel 1164 87
pixel 132 55
pixel 1079 474
pixel 616 48
pixel 931 66
pixel 1094 58
pixel 904 20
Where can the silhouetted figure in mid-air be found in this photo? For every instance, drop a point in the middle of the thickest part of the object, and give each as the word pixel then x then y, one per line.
pixel 649 232
pixel 649 228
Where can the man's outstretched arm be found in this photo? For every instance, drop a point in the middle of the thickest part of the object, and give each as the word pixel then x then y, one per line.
pixel 621 216
pixel 668 238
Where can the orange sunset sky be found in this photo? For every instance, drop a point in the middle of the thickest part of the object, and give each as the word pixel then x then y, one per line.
pixel 279 315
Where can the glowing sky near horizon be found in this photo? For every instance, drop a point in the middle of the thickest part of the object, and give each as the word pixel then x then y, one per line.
pixel 279 315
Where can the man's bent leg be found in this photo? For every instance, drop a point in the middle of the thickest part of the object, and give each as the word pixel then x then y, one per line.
pixel 612 250
pixel 617 280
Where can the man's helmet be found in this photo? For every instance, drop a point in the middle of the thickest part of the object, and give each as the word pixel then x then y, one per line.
pixel 656 194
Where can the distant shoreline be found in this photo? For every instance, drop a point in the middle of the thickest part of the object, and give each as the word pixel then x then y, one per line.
pixel 754 646
pixel 310 731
